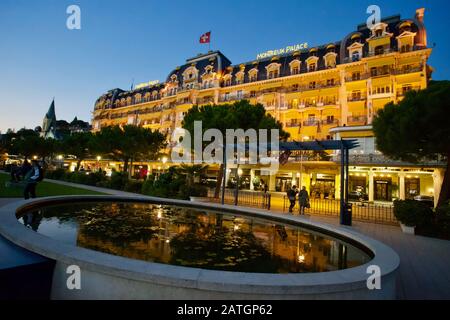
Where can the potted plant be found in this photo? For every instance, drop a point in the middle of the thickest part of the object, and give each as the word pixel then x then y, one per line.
pixel 412 214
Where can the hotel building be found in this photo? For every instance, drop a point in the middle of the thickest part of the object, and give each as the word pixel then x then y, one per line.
pixel 323 92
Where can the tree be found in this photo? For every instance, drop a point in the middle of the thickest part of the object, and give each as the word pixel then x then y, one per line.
pixel 418 128
pixel 129 143
pixel 239 115
pixel 78 144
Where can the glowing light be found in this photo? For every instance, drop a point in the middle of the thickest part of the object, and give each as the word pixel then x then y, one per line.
pixel 60 157
pixel 164 160
pixel 301 258
pixel 99 158
pixel 240 172
pixel 34 157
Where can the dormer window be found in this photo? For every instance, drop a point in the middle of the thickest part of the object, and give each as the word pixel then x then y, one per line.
pixel 379 50
pixel 253 75
pixel 273 70
pixel 312 67
pixel 295 66
pixel 356 56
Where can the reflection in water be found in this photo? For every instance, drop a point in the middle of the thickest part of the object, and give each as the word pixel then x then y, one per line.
pixel 187 237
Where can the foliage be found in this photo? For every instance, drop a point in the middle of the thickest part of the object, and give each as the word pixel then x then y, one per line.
pixel 417 128
pixel 78 144
pixel 443 221
pixel 128 143
pixel 413 213
pixel 239 115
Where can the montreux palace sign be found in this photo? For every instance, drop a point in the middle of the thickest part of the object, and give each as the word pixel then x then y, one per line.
pixel 288 49
pixel 146 84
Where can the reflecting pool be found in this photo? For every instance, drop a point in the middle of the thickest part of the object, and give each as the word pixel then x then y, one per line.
pixel 193 238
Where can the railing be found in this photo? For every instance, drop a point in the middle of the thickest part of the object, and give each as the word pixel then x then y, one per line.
pixel 402 93
pixel 356 99
pixel 408 70
pixel 363 76
pixel 357 119
pixel 293 125
pixel 245 198
pixel 364 211
pixel 310 123
pixel 330 122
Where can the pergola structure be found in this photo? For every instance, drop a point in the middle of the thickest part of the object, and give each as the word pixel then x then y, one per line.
pixel 343 146
pixel 338 145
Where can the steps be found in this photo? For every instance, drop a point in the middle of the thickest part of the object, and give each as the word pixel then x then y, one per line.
pixel 23 274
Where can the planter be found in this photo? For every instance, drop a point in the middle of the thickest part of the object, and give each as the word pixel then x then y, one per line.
pixel 199 199
pixel 408 229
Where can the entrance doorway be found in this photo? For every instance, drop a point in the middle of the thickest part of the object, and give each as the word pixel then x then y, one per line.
pixel 383 189
pixel 283 184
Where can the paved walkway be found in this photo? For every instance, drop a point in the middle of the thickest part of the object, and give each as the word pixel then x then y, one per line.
pixel 425 262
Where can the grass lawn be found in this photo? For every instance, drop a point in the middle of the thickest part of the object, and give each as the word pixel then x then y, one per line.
pixel 44 189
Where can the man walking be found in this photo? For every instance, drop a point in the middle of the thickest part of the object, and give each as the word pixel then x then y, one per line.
pixel 291 194
pixel 32 178
pixel 303 199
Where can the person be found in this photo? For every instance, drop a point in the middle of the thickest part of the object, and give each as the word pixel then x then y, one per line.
pixel 303 199
pixel 32 178
pixel 291 194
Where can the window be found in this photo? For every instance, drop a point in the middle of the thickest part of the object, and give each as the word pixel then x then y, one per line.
pixel 252 94
pixel 239 95
pixel 378 33
pixel 312 85
pixel 295 70
pixel 312 67
pixel 253 77
pixel 373 72
pixel 330 82
pixel 356 95
pixel 273 74
pixel 379 50
pixel 295 87
pixel 330 119
pixel 405 48
pixel 228 82
pixel 355 56
pixel 356 76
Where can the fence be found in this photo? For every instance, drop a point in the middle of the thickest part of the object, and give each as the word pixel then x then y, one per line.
pixel 245 198
pixel 364 211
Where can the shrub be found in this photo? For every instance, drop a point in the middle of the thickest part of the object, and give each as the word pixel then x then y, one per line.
pixel 58 174
pixel 133 186
pixel 413 213
pixel 196 190
pixel 118 180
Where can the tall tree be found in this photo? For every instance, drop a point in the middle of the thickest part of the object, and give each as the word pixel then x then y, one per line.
pixel 418 128
pixel 78 144
pixel 129 143
pixel 239 115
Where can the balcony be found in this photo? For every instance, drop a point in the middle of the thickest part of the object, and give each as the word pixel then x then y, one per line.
pixel 385 51
pixel 356 98
pixel 361 77
pixel 408 70
pixel 330 122
pixel 310 123
pixel 293 125
pixel 357 120
pixel 402 93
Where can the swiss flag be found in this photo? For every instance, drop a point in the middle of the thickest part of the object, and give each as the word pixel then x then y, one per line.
pixel 206 37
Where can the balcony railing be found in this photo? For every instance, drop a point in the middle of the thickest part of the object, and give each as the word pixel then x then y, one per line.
pixel 402 93
pixel 363 76
pixel 357 119
pixel 408 70
pixel 330 122
pixel 293 125
pixel 356 99
pixel 310 123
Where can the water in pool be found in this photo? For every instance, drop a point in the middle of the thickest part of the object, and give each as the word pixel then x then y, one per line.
pixel 193 238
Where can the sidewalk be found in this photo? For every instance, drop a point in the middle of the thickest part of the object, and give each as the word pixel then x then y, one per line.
pixel 424 269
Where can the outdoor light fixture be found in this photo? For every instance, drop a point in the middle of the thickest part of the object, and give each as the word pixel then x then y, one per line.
pixel 164 160
pixel 60 157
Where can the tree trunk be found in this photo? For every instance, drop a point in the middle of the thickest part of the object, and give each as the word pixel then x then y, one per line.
pixel 125 165
pixel 78 165
pixel 444 196
pixel 219 182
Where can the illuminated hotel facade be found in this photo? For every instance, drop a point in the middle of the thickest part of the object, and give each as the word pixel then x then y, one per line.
pixel 331 91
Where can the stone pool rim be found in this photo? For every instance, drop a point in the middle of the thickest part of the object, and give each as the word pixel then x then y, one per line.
pixel 194 278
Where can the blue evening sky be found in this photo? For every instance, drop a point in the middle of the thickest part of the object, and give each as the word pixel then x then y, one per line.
pixel 144 40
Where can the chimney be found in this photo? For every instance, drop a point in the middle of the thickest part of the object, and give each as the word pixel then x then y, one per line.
pixel 420 14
